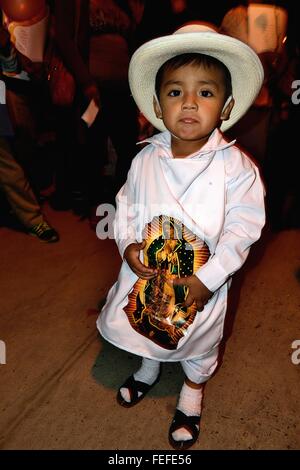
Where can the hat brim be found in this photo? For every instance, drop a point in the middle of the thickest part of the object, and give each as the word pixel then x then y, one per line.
pixel 242 62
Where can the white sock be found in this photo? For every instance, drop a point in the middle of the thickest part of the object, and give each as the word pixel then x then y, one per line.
pixel 147 373
pixel 189 403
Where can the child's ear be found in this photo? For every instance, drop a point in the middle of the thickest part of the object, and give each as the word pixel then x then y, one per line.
pixel 227 108
pixel 157 108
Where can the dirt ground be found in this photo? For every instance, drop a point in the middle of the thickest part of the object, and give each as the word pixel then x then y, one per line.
pixel 58 386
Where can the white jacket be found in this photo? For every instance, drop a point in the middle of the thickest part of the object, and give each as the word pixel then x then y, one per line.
pixel 218 195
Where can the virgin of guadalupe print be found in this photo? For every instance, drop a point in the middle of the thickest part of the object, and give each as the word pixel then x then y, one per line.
pixel 156 308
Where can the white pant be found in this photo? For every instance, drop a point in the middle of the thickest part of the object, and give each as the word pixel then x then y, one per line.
pixel 200 370
pixel 196 370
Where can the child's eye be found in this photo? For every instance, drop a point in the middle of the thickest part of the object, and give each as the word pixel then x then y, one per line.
pixel 206 93
pixel 174 93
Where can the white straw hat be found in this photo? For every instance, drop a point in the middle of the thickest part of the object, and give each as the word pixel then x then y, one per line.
pixel 242 62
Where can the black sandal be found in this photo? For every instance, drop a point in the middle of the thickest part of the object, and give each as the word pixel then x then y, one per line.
pixel 134 386
pixel 189 423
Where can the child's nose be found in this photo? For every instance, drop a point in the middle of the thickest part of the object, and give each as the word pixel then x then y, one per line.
pixel 190 102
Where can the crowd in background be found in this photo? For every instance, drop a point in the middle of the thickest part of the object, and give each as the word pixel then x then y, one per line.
pixel 49 153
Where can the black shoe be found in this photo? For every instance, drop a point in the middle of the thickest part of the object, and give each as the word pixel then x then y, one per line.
pixel 135 386
pixel 190 423
pixel 44 233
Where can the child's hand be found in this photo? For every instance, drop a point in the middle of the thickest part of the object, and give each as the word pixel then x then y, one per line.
pixel 132 256
pixel 91 92
pixel 198 292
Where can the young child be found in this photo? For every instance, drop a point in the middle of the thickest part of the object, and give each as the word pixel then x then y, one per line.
pixel 186 217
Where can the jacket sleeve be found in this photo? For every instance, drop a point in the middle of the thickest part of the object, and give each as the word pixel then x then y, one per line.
pixel 126 214
pixel 244 220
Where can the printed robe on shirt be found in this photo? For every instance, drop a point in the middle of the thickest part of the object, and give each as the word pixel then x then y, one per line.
pixel 216 198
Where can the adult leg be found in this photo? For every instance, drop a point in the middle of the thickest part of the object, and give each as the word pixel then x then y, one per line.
pixel 123 130
pixel 21 112
pixel 17 188
pixel 96 157
pixel 21 197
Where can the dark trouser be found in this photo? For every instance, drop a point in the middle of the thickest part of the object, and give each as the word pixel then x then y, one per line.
pixel 17 189
pixel 82 152
pixel 117 120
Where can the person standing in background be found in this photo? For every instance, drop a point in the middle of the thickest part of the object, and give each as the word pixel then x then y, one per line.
pixel 13 180
pixel 271 29
pixel 25 27
pixel 98 60
pixel 263 26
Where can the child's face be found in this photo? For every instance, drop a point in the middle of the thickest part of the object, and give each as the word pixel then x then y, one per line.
pixel 191 102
